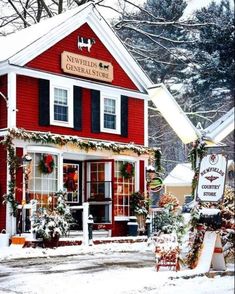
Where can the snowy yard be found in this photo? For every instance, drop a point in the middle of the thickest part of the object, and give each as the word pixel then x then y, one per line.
pixel 108 268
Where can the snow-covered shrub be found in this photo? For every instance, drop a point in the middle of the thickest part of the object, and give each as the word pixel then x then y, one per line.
pixel 169 220
pixel 49 224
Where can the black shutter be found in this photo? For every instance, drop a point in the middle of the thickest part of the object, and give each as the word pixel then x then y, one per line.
pixel 44 102
pixel 77 108
pixel 124 116
pixel 95 111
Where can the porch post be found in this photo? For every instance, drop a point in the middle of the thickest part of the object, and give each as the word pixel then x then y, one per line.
pixel 85 223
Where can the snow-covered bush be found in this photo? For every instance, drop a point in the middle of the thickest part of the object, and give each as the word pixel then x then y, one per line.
pixel 48 224
pixel 169 220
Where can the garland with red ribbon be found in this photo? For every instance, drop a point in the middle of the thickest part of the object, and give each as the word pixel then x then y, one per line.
pixel 128 170
pixel 46 164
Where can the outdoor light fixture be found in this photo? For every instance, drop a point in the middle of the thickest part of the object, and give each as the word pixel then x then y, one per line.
pixel 26 159
pixel 173 114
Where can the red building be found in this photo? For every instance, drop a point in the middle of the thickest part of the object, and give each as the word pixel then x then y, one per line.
pixel 74 102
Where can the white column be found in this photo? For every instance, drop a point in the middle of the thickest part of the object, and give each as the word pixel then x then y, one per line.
pixel 11 95
pixel 85 223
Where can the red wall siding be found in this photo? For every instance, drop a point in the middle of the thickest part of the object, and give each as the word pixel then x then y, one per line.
pixel 3 106
pixel 28 113
pixel 50 60
pixel 3 185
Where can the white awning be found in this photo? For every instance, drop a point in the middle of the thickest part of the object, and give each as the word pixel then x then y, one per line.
pixel 173 114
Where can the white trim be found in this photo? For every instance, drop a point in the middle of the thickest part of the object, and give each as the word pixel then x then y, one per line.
pixel 119 51
pixel 117 99
pixel 59 78
pixel 11 94
pixel 70 22
pixel 43 149
pixel 51 37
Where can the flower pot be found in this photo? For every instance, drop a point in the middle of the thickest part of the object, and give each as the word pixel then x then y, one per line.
pixel 52 242
pixel 132 226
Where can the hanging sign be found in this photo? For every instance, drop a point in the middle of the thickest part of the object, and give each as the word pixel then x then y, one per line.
pixel 86 67
pixel 156 184
pixel 211 180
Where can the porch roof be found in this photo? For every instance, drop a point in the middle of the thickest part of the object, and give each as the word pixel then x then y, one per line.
pixel 82 143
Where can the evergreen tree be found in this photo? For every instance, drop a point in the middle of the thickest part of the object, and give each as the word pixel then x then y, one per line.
pixel 214 56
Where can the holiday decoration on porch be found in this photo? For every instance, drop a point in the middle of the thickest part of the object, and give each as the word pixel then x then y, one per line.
pixel 128 170
pixel 46 164
pixel 50 225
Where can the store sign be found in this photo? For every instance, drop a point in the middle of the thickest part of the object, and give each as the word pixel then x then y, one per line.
pixel 156 184
pixel 212 176
pixel 86 67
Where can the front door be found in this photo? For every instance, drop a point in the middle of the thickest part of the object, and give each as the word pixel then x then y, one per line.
pixel 99 192
pixel 72 185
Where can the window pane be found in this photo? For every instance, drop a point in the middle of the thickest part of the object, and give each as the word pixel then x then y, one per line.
pixel 123 188
pixel 60 113
pixel 61 96
pixel 109 106
pixel 60 104
pixel 109 121
pixel 41 185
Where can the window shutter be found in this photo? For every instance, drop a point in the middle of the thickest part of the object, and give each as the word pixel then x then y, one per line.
pixel 44 102
pixel 77 108
pixel 124 116
pixel 95 111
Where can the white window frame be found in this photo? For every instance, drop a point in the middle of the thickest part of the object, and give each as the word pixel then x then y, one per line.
pixel 117 99
pixel 69 123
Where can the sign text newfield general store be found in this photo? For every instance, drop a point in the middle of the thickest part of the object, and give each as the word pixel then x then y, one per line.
pixel 86 67
pixel 212 178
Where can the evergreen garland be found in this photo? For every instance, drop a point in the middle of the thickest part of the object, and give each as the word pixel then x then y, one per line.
pixel 195 155
pixel 13 163
pixel 157 156
pixel 49 138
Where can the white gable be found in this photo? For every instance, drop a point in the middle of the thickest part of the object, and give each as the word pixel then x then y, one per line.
pixel 25 45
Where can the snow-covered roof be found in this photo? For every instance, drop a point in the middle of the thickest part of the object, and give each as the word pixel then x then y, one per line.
pixel 19 40
pixel 181 175
pixel 21 47
pixel 221 128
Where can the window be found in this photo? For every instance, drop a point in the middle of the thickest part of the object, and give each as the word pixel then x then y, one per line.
pixel 123 188
pixel 61 104
pixel 41 187
pixel 61 110
pixel 71 182
pixel 99 192
pixel 110 113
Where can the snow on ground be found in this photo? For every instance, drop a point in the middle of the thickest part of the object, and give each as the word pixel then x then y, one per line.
pixel 117 280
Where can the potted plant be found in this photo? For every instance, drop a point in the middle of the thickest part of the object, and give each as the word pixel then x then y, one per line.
pixel 51 225
pixel 139 210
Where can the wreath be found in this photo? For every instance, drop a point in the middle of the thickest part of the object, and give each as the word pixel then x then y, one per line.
pixel 128 170
pixel 46 164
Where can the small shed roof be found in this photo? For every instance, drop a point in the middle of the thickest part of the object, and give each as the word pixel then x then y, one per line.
pixel 181 175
